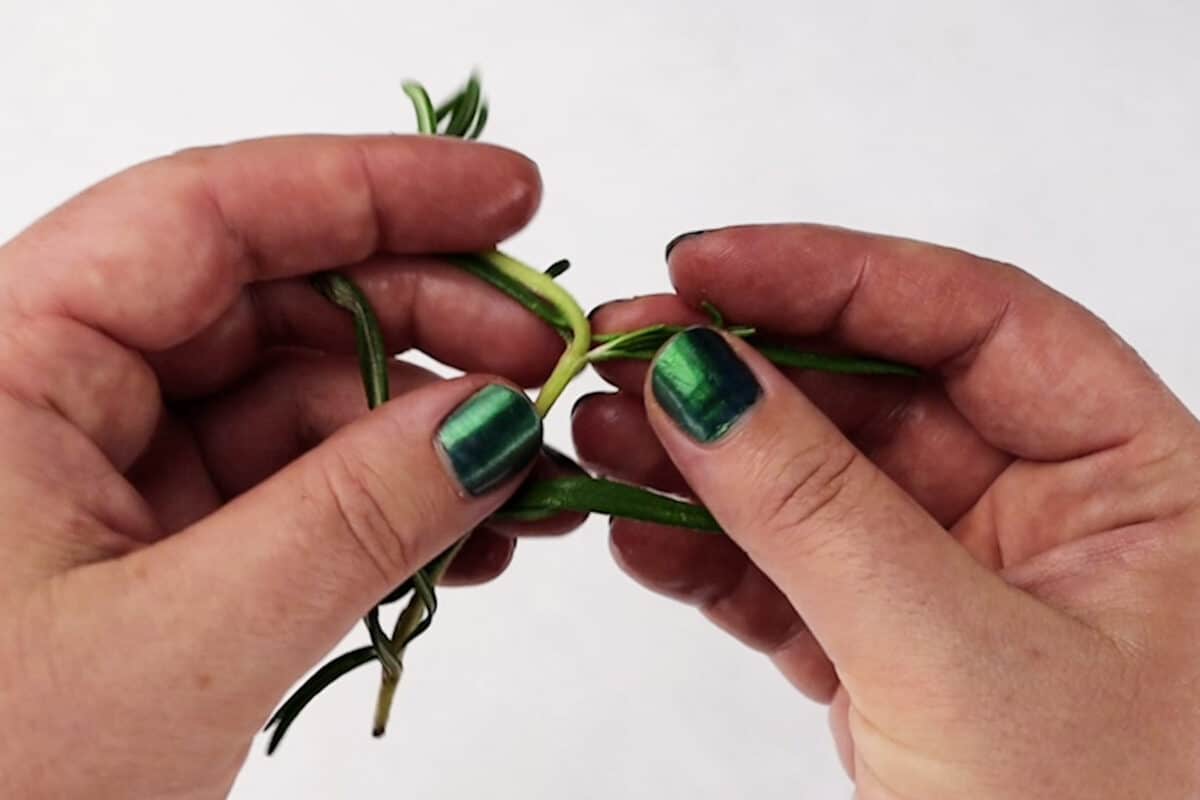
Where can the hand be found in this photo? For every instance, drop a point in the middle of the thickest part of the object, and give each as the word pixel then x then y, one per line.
pixel 180 542
pixel 991 571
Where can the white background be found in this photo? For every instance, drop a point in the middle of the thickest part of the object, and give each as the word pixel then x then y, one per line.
pixel 1058 135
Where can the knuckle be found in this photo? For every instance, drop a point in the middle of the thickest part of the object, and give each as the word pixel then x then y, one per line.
pixel 809 485
pixel 355 489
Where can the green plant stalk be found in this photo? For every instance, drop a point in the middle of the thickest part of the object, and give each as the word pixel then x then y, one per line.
pixel 404 632
pixel 468 114
pixel 373 363
pixel 573 360
pixel 543 499
pixel 575 357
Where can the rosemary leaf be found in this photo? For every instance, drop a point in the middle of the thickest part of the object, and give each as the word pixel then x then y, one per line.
pixel 558 268
pixel 381 643
pixel 372 352
pixel 399 593
pixel 541 499
pixel 445 108
pixel 463 115
pixel 847 365
pixel 426 115
pixel 480 122
pixel 318 682
pixel 718 319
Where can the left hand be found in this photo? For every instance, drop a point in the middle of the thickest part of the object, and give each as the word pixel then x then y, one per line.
pixel 178 542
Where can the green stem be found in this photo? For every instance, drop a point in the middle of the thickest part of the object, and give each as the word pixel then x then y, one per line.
pixel 373 356
pixel 543 499
pixel 404 632
pixel 482 269
pixel 575 358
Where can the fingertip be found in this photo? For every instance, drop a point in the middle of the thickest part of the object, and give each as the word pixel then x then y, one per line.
pixel 491 439
pixel 484 556
pixel 632 314
pixel 720 265
pixel 693 255
pixel 494 191
pixel 597 417
pixel 639 312
pixel 680 239
pixel 687 566
pixel 521 203
pixel 807 667
pixel 583 400
pixel 700 389
pixel 628 376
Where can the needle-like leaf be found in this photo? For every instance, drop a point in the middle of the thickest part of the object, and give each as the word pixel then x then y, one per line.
pixel 384 649
pixel 447 107
pixel 718 319
pixel 541 499
pixel 463 115
pixel 426 115
pixel 282 720
pixel 480 122
pixel 847 365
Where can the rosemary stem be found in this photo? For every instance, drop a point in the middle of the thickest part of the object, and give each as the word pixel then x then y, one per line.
pixel 575 358
pixel 408 621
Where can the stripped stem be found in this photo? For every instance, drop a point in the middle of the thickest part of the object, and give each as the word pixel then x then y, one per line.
pixel 575 357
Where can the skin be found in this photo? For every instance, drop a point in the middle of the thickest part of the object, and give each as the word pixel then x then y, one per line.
pixel 989 573
pixel 196 506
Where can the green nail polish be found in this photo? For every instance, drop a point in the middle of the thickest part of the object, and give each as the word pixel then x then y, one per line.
pixel 492 436
pixel 702 384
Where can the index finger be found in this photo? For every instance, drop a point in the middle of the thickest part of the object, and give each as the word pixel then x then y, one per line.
pixel 1036 373
pixel 155 254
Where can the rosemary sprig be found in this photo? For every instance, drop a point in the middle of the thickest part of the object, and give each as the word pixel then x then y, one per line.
pixel 465 115
pixel 543 499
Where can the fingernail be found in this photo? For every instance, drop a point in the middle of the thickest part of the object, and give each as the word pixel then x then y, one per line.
pixel 561 459
pixel 492 436
pixel 702 384
pixel 592 314
pixel 671 245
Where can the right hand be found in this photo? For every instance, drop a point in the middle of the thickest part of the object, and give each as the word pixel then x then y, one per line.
pixel 993 572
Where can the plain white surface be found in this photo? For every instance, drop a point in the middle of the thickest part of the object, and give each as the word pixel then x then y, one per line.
pixel 1059 136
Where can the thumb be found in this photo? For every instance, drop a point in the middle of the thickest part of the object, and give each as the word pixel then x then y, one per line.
pixel 871 573
pixel 246 600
